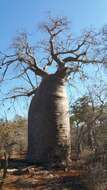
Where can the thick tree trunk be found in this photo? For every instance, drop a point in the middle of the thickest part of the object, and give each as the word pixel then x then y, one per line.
pixel 48 123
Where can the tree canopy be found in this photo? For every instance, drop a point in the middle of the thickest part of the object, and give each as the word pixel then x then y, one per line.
pixel 59 49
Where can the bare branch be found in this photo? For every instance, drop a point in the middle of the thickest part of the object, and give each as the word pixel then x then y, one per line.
pixel 72 51
pixel 20 93
pixel 28 59
pixel 75 59
pixel 53 54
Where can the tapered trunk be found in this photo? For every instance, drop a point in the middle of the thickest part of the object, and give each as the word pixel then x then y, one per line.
pixel 48 123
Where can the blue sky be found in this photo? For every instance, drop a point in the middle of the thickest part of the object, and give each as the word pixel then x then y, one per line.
pixel 18 15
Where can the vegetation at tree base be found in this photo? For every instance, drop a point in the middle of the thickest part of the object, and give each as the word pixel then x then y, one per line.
pixel 13 137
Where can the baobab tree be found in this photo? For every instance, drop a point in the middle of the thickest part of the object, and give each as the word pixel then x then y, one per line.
pixel 48 117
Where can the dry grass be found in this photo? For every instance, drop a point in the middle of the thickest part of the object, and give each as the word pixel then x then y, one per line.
pixel 96 178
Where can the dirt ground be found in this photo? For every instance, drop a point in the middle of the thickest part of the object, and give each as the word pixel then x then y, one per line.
pixel 21 176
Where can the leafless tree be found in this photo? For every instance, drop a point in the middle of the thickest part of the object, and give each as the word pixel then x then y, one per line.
pixel 49 128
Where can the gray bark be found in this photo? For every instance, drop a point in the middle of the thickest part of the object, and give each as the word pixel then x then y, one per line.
pixel 48 123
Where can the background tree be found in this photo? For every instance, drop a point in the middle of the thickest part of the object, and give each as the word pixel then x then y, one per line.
pixel 88 118
pixel 49 128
